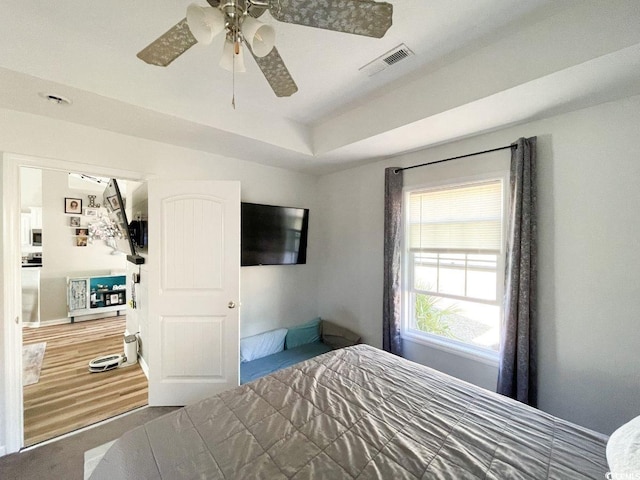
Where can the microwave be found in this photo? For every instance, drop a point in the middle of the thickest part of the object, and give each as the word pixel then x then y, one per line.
pixel 36 237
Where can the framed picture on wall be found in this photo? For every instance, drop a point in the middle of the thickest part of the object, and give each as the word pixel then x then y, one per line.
pixel 81 241
pixel 73 205
pixel 91 212
pixel 113 201
pixel 82 232
pixel 74 221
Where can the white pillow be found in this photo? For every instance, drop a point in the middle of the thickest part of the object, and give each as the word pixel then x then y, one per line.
pixel 262 344
pixel 623 450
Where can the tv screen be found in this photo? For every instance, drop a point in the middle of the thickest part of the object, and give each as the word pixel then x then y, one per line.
pixel 115 206
pixel 273 235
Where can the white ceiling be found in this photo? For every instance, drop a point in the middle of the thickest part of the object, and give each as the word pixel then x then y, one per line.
pixel 478 65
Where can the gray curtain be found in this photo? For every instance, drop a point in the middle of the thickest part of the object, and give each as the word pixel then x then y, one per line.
pixel 391 340
pixel 517 377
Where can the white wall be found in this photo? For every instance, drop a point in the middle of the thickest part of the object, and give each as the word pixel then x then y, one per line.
pixel 30 188
pixel 589 259
pixel 61 257
pixel 270 296
pixel 262 304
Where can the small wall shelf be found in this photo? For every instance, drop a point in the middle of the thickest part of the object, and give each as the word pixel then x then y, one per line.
pixel 96 294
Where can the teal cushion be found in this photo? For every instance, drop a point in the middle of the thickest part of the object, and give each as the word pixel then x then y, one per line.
pixel 302 334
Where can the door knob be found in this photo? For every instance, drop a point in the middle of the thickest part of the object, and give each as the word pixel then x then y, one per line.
pixel 231 304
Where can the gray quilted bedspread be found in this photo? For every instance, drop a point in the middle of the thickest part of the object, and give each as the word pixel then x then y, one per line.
pixel 356 413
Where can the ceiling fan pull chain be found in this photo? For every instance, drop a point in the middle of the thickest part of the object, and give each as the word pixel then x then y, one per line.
pixel 236 52
pixel 233 82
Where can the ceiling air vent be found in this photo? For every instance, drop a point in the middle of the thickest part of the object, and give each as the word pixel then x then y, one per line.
pixel 386 60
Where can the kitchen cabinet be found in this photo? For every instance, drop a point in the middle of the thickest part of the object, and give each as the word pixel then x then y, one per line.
pixel 30 223
pixel 36 217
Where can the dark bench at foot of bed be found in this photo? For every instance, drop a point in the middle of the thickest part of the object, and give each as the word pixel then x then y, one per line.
pixel 322 336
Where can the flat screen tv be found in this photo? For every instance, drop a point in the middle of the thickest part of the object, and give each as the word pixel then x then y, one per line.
pixel 115 206
pixel 273 235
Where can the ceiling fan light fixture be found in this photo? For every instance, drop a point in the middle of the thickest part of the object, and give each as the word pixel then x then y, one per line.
pixel 229 57
pixel 370 18
pixel 260 36
pixel 204 22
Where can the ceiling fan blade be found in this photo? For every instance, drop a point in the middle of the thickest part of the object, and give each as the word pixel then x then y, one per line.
pixel 169 46
pixel 360 17
pixel 276 73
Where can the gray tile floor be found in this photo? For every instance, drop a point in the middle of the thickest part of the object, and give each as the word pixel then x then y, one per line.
pixel 64 458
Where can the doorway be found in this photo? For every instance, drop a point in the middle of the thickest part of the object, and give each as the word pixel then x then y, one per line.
pixel 63 412
pixel 60 395
pixel 177 335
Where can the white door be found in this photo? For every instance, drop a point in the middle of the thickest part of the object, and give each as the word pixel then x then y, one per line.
pixel 194 287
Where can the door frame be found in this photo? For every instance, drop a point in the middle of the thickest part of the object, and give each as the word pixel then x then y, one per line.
pixel 11 283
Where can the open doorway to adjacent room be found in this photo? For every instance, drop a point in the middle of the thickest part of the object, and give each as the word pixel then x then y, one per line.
pixel 69 255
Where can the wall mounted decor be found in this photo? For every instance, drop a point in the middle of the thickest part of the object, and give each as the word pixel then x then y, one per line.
pixel 72 205
pixel 92 202
pixel 113 201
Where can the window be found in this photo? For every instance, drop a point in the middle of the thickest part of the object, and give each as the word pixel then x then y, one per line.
pixel 454 265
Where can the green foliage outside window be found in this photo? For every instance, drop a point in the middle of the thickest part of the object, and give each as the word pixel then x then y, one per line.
pixel 431 319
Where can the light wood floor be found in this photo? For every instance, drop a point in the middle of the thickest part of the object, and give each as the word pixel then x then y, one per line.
pixel 68 397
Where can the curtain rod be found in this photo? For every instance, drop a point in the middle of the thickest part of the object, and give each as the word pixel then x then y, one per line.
pixel 455 158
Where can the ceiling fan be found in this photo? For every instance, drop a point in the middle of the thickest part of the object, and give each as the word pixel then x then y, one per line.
pixel 238 19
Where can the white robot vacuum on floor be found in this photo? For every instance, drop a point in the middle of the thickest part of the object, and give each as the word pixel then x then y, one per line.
pixel 126 359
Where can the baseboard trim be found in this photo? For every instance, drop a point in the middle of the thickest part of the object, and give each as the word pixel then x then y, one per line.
pixel 48 323
pixel 81 318
pixel 144 366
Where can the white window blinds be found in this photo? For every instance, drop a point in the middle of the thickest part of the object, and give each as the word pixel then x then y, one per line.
pixel 462 218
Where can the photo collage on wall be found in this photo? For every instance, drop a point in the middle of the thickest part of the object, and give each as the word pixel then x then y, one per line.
pixel 73 207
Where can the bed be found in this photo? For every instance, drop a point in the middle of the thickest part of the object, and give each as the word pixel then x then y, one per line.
pixel 357 412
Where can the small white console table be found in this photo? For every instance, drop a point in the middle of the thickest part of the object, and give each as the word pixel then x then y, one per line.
pixel 96 294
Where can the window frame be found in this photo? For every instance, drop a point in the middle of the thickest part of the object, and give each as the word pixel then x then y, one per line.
pixel 456 347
